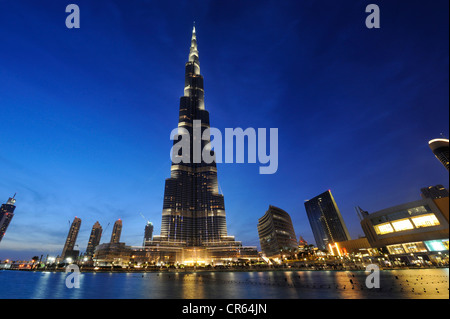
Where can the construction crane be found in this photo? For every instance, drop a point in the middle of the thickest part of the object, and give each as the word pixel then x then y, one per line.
pixel 144 217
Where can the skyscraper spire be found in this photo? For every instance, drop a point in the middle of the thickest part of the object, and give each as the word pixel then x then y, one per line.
pixel 193 52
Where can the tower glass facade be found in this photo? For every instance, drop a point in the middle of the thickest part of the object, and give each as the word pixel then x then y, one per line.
pixel 6 215
pixel 326 220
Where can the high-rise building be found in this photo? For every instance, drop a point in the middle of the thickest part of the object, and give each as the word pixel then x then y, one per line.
pixel 193 225
pixel 193 209
pixel 148 233
pixel 276 233
pixel 6 215
pixel 326 220
pixel 116 232
pixel 68 250
pixel 441 149
pixel 434 192
pixel 94 238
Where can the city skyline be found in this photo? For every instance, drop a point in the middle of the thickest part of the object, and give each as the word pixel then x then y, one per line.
pixel 351 105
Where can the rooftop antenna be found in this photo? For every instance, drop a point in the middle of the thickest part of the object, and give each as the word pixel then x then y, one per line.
pixel 357 213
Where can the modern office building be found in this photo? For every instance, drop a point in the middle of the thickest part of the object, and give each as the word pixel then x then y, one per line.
pixel 6 215
pixel 68 250
pixel 326 220
pixel 94 239
pixel 116 232
pixel 193 215
pixel 434 192
pixel 441 149
pixel 276 233
pixel 411 229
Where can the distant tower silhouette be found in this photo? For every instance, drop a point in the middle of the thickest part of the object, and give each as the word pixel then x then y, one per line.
pixel 116 232
pixel 94 238
pixel 148 234
pixel 68 250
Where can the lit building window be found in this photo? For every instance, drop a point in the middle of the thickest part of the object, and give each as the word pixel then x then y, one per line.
pixel 417 210
pixel 402 224
pixel 425 221
pixel 437 245
pixel 395 249
pixel 416 247
pixel 385 228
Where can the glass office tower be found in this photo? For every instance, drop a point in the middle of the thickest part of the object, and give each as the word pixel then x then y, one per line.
pixel 326 220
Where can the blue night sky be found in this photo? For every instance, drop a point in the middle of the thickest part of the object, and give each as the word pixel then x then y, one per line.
pixel 86 114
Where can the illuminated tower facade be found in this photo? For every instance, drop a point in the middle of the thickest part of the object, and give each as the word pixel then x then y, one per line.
pixel 441 150
pixel 193 209
pixel 6 215
pixel 326 220
pixel 68 250
pixel 94 239
pixel 117 231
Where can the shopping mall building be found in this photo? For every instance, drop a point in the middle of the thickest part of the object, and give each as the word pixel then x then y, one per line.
pixel 415 232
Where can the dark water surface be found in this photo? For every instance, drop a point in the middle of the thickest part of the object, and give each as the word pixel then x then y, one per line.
pixel 404 284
